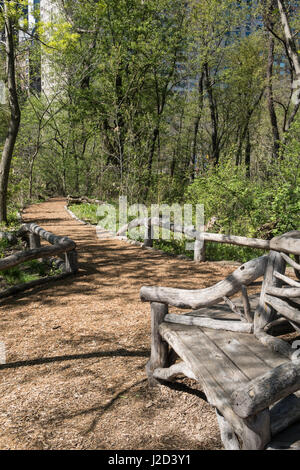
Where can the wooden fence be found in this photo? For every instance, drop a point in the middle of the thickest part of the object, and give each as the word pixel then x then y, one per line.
pixel 62 247
pixel 289 244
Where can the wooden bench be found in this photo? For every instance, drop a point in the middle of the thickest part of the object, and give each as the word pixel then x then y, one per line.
pixel 248 373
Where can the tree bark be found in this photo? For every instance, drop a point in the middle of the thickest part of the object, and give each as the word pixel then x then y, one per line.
pixel 214 118
pixel 248 155
pixel 290 41
pixel 196 125
pixel 15 114
pixel 271 107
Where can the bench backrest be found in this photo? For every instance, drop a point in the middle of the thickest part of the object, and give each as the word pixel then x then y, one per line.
pixel 280 294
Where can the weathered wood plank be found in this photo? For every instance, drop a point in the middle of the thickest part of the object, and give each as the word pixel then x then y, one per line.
pixel 217 375
pixel 194 342
pixel 257 349
pixel 219 311
pixel 238 352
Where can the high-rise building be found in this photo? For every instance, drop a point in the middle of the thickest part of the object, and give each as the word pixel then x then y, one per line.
pixel 28 66
pixel 49 11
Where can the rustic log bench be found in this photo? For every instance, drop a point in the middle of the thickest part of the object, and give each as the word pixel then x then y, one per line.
pixel 248 373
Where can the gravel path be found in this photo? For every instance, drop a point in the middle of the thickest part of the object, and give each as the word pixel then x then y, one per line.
pixel 77 349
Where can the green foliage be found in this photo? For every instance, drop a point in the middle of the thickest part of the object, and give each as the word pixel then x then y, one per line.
pixel 28 271
pixel 147 97
pixel 13 221
pixel 242 205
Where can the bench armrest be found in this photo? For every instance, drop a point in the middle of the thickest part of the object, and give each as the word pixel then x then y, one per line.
pixel 261 392
pixel 183 298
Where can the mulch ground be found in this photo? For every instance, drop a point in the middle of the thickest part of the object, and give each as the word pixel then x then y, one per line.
pixel 77 350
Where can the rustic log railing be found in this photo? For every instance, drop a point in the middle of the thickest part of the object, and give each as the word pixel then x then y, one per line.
pixel 289 244
pixel 62 247
pixel 82 200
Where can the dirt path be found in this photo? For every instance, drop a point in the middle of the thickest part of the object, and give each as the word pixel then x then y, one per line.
pixel 77 349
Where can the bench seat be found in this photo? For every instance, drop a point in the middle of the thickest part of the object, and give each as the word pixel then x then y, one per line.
pixel 221 361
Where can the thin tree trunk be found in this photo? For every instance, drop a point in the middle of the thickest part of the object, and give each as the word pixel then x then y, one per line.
pixel 31 172
pixel 242 138
pixel 150 160
pixel 15 114
pixel 196 125
pixel 248 154
pixel 271 107
pixel 214 118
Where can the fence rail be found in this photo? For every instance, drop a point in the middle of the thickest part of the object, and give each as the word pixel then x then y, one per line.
pixel 289 243
pixel 63 247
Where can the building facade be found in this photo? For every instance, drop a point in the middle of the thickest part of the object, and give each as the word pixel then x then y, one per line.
pixel 49 11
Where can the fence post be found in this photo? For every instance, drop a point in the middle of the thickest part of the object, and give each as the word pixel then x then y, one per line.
pixel 199 250
pixel 71 262
pixel 148 241
pixel 34 241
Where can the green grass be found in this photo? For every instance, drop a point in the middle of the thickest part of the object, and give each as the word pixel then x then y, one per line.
pixel 86 212
pixel 214 251
pixel 15 275
pixel 28 271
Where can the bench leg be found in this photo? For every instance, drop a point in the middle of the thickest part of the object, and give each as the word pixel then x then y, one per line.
pixel 257 431
pixel 159 347
pixel 228 437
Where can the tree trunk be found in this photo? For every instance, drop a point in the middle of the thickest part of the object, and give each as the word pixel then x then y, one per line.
pixel 214 118
pixel 248 154
pixel 271 107
pixel 196 125
pixel 150 161
pixel 290 40
pixel 15 114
